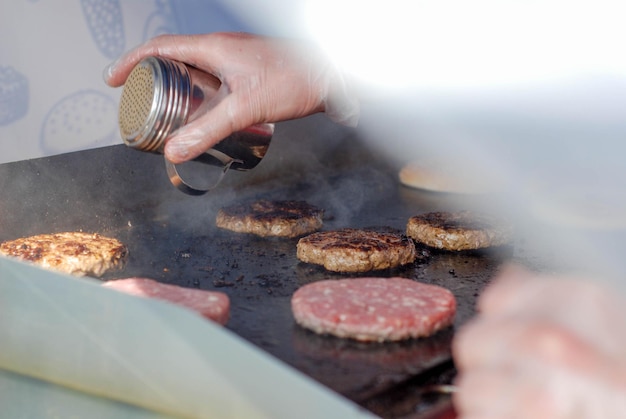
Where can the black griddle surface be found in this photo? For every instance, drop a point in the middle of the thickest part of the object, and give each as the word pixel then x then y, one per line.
pixel 172 238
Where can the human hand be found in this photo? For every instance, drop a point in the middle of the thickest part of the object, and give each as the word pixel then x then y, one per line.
pixel 263 80
pixel 543 347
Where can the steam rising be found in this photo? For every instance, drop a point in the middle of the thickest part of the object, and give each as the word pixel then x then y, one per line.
pixel 532 93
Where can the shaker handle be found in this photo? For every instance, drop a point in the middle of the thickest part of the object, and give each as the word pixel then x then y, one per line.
pixel 185 187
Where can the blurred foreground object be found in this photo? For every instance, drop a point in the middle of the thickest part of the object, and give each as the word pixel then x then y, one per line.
pixel 543 347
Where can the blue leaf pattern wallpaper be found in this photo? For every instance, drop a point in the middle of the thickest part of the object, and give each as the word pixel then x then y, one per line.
pixel 104 20
pixel 52 54
pixel 13 95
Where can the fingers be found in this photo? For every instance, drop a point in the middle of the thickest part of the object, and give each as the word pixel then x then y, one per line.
pixel 539 347
pixel 227 117
pixel 184 48
pixel 516 367
pixel 511 285
pixel 583 307
pixel 488 394
pixel 482 342
pixel 518 290
pixel 494 342
pixel 508 367
pixel 196 138
pixel 116 73
pixel 206 51
pixel 267 80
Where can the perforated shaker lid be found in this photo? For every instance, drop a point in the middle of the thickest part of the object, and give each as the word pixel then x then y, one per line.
pixel 139 101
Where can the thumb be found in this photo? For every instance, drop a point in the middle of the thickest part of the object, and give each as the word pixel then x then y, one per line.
pixel 204 132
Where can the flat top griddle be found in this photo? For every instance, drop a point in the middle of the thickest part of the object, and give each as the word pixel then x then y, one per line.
pixel 172 238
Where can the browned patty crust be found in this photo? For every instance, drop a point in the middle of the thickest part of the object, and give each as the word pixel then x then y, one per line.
pixel 373 309
pixel 354 250
pixel 75 253
pixel 271 218
pixel 462 230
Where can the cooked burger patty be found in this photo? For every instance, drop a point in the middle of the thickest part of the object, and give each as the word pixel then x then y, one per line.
pixel 271 218
pixel 353 250
pixel 373 309
pixel 74 253
pixel 213 305
pixel 463 230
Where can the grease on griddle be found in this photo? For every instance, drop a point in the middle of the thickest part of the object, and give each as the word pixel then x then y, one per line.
pixel 221 283
pixel 360 370
pixel 272 285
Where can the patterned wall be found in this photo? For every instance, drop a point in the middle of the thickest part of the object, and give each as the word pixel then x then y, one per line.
pixel 52 54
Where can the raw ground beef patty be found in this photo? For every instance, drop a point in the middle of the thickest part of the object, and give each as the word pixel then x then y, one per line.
pixel 213 305
pixel 373 309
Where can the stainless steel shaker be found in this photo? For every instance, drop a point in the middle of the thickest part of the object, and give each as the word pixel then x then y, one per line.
pixel 162 95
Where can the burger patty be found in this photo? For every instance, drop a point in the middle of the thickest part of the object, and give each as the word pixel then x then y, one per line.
pixel 373 309
pixel 271 218
pixel 463 230
pixel 212 305
pixel 75 253
pixel 353 250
